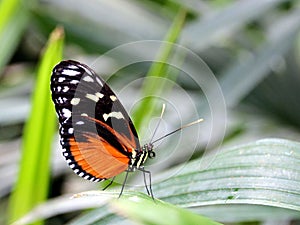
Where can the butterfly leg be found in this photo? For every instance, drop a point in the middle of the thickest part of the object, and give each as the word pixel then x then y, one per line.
pixel 124 182
pixel 149 190
pixel 112 180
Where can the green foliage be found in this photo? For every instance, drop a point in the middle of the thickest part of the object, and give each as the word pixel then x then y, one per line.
pixel 263 173
pixel 251 46
pixel 34 172
pixel 158 69
pixel 241 178
pixel 13 21
pixel 143 210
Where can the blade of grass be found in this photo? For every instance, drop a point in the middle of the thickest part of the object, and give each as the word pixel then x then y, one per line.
pixel 33 180
pixel 7 9
pixel 13 21
pixel 154 87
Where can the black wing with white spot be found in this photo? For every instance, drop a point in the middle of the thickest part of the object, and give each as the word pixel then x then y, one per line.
pixel 97 135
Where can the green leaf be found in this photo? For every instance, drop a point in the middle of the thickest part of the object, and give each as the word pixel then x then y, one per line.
pixel 240 79
pixel 143 210
pixel 34 171
pixel 136 206
pixel 264 173
pixel 154 87
pixel 245 179
pixel 243 183
pixel 255 180
pixel 220 24
pixel 13 21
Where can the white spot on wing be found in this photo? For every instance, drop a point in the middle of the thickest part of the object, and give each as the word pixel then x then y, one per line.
pixel 66 88
pixel 74 81
pixel 60 100
pixel 88 71
pixel 84 114
pixel 99 95
pixel 80 123
pixel 99 81
pixel 113 98
pixel 71 130
pixel 72 67
pixel 66 112
pixel 75 101
pixel 92 97
pixel 61 79
pixel 117 115
pixel 70 72
pixel 88 79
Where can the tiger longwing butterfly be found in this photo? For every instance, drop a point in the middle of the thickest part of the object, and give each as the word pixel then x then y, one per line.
pixel 98 138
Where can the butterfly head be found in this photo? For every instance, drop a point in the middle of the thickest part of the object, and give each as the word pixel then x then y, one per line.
pixel 148 148
pixel 139 156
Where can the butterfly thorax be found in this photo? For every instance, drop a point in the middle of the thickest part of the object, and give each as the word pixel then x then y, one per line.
pixel 139 156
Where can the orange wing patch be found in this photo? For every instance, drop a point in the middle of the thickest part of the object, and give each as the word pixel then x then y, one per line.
pixel 97 157
pixel 128 144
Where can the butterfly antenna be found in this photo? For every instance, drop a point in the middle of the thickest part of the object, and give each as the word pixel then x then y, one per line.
pixel 178 129
pixel 160 119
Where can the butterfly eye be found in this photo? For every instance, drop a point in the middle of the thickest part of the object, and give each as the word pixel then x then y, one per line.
pixel 151 154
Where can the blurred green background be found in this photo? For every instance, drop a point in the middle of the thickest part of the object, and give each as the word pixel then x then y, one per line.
pixel 251 46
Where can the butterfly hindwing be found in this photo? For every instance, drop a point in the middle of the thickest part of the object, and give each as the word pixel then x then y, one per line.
pixel 97 134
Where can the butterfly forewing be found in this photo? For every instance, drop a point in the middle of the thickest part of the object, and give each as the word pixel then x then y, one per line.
pixel 97 134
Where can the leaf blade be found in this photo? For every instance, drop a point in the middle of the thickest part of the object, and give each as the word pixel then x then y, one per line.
pixel 32 184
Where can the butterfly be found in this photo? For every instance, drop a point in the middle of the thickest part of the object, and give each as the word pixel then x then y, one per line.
pixel 98 137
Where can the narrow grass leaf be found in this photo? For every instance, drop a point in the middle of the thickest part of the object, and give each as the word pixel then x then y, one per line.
pixel 34 171
pixel 13 21
pixel 7 9
pixel 159 68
